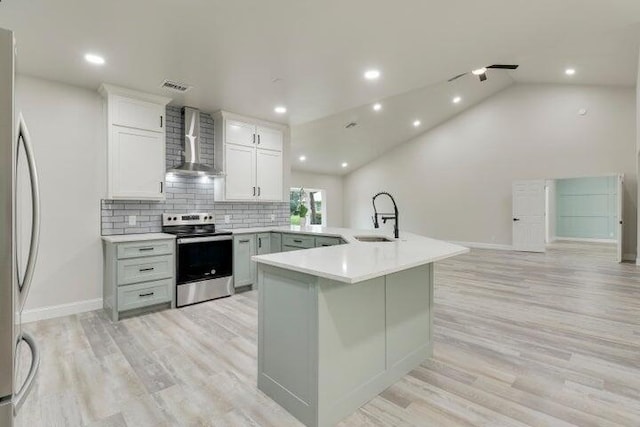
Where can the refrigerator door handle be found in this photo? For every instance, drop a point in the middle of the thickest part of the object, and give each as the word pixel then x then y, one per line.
pixel 23 134
pixel 22 394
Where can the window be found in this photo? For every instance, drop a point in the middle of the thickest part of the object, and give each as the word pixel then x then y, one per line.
pixel 311 203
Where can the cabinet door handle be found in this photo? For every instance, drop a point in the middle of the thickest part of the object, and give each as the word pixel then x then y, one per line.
pixel 244 241
pixel 146 269
pixel 161 187
pixel 297 241
pixel 258 139
pixel 258 191
pixel 161 120
pixel 259 242
pixel 254 191
pixel 254 138
pixel 145 249
pixel 147 294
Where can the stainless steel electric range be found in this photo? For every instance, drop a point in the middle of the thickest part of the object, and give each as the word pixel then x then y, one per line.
pixel 204 257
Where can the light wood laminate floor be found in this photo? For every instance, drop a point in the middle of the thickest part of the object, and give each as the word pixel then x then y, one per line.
pixel 520 339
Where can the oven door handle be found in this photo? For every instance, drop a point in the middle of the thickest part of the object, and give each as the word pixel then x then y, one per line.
pixel 187 240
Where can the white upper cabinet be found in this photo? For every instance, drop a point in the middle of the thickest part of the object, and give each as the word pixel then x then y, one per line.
pixel 240 178
pixel 269 175
pixel 136 161
pixel 269 139
pixel 135 113
pixel 240 133
pixel 251 155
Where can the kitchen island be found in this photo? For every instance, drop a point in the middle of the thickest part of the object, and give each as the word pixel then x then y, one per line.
pixel 337 325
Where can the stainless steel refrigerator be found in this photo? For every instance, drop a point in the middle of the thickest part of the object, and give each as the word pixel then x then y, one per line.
pixel 16 153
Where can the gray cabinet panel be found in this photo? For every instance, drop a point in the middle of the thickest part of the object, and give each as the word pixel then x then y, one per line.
pixel 145 249
pixel 145 269
pixel 299 241
pixel 276 242
pixel 244 247
pixel 263 242
pixel 327 241
pixel 144 294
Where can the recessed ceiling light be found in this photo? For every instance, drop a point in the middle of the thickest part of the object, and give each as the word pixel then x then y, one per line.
pixel 570 71
pixel 457 100
pixel 479 71
pixel 416 123
pixel 372 74
pixel 280 109
pixel 303 158
pixel 377 106
pixel 345 164
pixel 94 59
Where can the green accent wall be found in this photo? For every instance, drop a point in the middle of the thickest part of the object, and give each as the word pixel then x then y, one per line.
pixel 586 208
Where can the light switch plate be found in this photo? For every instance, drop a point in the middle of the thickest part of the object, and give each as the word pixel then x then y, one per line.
pixel 273 217
pixel 227 219
pixel 132 220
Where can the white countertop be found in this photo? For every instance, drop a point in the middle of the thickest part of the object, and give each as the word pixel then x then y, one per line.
pixel 123 238
pixel 357 261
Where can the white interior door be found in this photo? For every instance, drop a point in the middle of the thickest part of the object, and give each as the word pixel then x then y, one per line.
pixel 528 216
pixel 620 210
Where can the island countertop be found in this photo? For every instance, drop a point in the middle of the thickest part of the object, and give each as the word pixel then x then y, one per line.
pixel 357 261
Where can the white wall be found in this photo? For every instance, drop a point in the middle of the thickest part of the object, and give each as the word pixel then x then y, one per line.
pixel 333 189
pixel 65 126
pixel 454 182
pixel 638 151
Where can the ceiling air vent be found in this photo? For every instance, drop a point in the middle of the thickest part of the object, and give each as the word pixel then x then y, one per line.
pixel 175 86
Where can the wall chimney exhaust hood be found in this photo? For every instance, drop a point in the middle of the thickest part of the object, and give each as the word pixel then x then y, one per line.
pixel 193 165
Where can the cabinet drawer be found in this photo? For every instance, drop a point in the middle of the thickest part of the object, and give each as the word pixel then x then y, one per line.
pixel 144 294
pixel 327 241
pixel 286 248
pixel 145 269
pixel 298 241
pixel 145 249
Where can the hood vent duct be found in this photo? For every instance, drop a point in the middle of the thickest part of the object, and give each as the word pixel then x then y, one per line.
pixel 193 165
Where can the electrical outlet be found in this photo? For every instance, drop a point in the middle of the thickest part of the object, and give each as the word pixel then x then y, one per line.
pixel 273 217
pixel 132 220
pixel 227 219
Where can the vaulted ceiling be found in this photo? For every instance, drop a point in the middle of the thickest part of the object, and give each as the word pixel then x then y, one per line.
pixel 247 56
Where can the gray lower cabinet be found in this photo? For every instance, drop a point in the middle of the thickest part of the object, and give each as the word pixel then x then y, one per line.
pixel 138 276
pixel 244 271
pixel 276 242
pixel 263 242
pixel 327 241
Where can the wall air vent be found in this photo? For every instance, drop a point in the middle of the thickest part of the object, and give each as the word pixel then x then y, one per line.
pixel 175 86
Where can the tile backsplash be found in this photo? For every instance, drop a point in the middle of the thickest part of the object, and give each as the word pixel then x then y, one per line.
pixel 187 194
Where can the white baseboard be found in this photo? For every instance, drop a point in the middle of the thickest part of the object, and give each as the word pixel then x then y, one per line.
pixel 478 245
pixel 61 310
pixel 579 239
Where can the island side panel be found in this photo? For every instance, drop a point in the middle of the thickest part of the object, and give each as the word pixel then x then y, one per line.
pixel 352 346
pixel 409 296
pixel 287 340
pixel 371 334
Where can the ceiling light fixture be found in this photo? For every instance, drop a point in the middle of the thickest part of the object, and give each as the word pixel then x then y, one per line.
pixel 345 164
pixel 416 123
pixel 372 74
pixel 457 100
pixel 94 59
pixel 377 106
pixel 570 71
pixel 280 109
pixel 303 158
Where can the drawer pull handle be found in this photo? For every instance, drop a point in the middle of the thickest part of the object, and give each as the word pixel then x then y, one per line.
pixel 147 294
pixel 146 269
pixel 146 249
pixel 244 241
pixel 297 241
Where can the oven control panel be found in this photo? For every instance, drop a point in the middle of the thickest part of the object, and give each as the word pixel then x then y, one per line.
pixel 187 219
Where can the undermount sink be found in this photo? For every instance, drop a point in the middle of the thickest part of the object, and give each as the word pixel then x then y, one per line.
pixel 372 239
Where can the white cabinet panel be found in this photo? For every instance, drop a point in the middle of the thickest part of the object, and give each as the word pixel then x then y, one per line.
pixel 240 172
pixel 240 133
pixel 137 159
pixel 270 139
pixel 269 175
pixel 138 114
